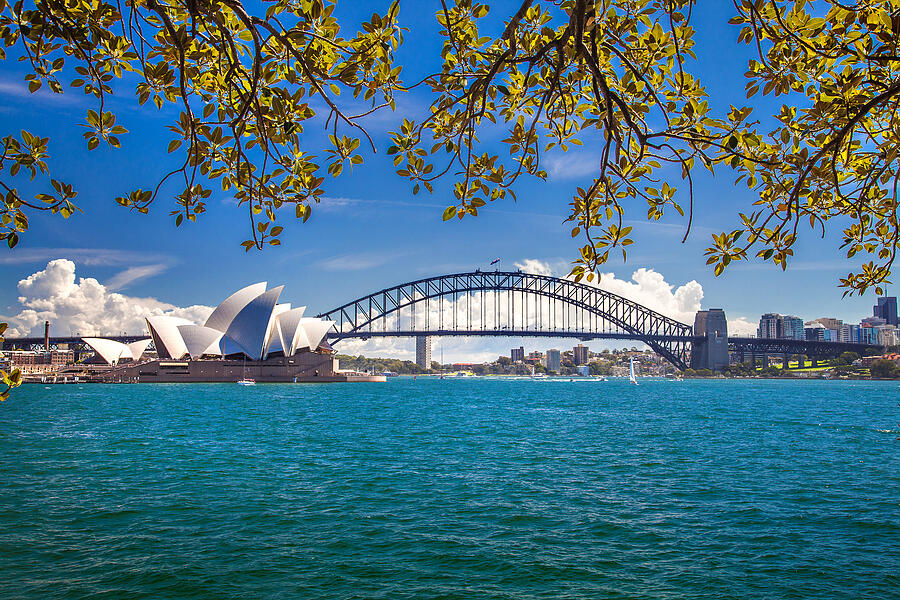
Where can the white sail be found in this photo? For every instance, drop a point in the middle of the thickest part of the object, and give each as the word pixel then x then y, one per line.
pixel 631 375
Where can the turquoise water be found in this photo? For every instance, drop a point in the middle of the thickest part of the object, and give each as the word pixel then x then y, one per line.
pixel 452 489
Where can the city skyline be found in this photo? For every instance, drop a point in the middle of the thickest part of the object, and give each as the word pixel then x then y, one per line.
pixel 55 292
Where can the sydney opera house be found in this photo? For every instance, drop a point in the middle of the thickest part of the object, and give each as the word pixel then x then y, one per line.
pixel 249 335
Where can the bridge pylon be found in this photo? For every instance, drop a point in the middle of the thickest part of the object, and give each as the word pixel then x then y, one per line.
pixel 710 352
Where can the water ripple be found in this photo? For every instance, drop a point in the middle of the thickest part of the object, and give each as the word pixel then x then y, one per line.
pixel 452 489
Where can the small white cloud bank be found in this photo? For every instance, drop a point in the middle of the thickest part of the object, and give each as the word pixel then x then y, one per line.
pixel 85 306
pixel 534 266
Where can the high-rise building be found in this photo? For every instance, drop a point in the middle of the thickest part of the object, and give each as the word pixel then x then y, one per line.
pixel 830 322
pixel 553 360
pixel 792 328
pixel 872 322
pixel 517 354
pixel 886 335
pixel 770 325
pixel 849 333
pixel 423 351
pixel 886 309
pixel 815 332
pixel 868 334
pixel 580 354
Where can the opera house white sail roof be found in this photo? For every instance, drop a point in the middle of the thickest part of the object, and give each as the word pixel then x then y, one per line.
pixel 249 322
pixel 112 351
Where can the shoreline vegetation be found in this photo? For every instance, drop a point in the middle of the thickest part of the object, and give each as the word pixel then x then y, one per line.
pixel 848 366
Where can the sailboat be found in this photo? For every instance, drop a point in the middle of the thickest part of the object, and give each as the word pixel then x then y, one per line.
pixel 538 376
pixel 631 374
pixel 244 380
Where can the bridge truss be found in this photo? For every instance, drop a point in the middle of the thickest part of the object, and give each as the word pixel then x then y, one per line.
pixel 498 303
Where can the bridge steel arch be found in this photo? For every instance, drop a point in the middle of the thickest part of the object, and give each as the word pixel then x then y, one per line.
pixel 368 316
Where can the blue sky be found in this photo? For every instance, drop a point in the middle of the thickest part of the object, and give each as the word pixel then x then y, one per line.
pixel 371 231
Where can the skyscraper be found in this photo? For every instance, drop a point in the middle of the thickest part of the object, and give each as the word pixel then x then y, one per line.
pixel 553 360
pixel 770 325
pixel 580 354
pixel 792 328
pixel 423 351
pixel 886 309
pixel 517 354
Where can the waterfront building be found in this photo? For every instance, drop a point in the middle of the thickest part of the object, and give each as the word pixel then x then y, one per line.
pixel 868 334
pixel 28 361
pixel 248 335
pixel 517 354
pixel 815 332
pixel 886 335
pixel 583 370
pixel 872 322
pixel 580 354
pixel 423 351
pixel 849 333
pixel 886 309
pixel 770 326
pixel 792 328
pixel 830 322
pixel 553 360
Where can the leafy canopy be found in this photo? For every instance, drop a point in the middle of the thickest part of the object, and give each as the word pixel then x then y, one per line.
pixel 244 86
pixel 615 73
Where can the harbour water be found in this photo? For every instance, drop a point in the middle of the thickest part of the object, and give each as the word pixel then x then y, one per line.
pixel 466 488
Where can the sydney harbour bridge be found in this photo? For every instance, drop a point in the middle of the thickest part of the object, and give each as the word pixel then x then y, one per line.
pixel 519 304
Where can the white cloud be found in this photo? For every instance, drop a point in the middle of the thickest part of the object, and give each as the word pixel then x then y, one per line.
pixel 358 261
pixel 571 166
pixel 741 326
pixel 84 256
pixel 650 289
pixel 86 307
pixel 334 204
pixel 132 274
pixel 18 88
pixel 534 266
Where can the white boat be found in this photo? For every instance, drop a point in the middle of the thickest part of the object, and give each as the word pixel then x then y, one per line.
pixel 538 376
pixel 631 374
pixel 244 380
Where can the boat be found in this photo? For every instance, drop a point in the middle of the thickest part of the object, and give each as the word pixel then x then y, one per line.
pixel 631 373
pixel 244 380
pixel 389 373
pixel 538 376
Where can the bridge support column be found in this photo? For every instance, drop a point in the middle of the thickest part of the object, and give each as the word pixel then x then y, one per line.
pixel 785 361
pixel 711 352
